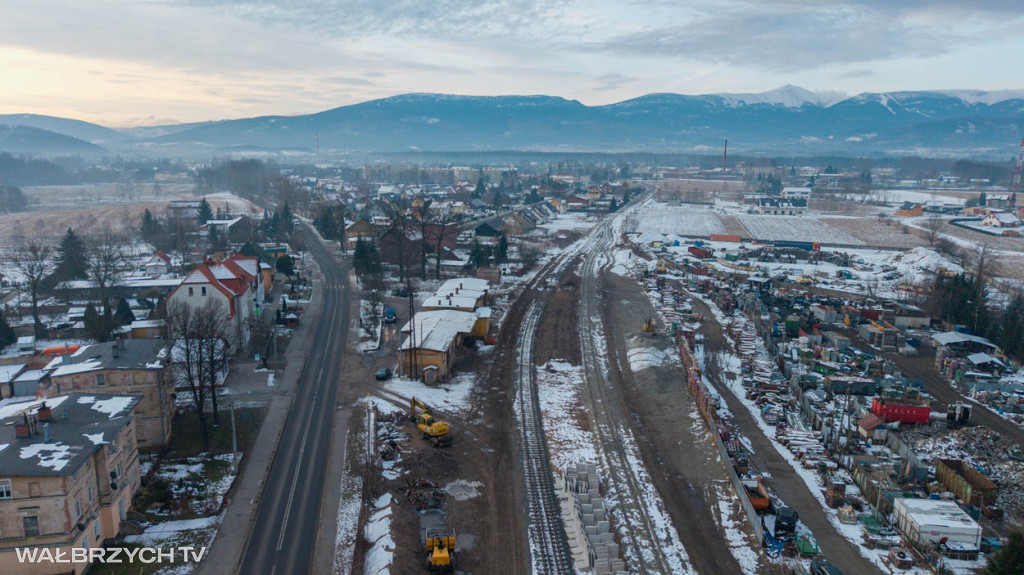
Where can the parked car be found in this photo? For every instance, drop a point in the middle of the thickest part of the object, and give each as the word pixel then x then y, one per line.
pixel 383 374
pixel 824 568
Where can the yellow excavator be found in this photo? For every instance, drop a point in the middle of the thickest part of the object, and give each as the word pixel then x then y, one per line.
pixel 436 432
pixel 440 549
pixel 649 326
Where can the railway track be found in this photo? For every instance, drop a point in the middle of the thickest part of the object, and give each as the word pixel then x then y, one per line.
pixel 549 550
pixel 651 543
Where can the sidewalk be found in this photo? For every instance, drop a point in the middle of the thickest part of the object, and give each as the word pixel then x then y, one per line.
pixel 225 555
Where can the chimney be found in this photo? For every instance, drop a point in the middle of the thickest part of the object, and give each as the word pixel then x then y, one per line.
pixel 44 414
pixel 23 429
pixel 46 432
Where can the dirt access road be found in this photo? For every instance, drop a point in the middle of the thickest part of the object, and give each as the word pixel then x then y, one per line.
pixel 676 446
pixel 784 480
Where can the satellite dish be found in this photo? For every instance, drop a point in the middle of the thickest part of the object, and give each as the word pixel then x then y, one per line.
pixel 113 485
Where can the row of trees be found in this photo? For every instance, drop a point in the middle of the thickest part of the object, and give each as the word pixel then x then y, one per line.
pixel 101 258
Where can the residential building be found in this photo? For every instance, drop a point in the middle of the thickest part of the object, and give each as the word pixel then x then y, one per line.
pixel 69 468
pixel 157 265
pixel 138 367
pixel 183 209
pixel 910 210
pixel 237 283
pixel 797 193
pixel 781 206
pixel 430 350
pixel 1000 220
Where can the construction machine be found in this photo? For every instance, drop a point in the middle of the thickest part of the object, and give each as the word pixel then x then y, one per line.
pixel 436 432
pixel 649 326
pixel 440 549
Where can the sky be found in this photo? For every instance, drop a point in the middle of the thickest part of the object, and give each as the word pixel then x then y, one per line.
pixel 147 62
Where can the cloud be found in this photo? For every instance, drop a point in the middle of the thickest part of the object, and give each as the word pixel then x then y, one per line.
pixel 612 82
pixel 852 74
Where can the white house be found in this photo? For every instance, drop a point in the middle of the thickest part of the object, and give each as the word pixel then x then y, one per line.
pixel 235 282
pixel 793 193
pixel 1000 220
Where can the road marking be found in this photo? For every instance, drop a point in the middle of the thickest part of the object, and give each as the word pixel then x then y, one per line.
pixel 302 449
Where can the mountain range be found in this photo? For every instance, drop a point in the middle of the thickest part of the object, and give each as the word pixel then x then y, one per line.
pixel 788 120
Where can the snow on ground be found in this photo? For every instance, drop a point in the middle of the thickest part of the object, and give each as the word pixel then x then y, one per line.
pixel 686 220
pixel 461 490
pixel 624 261
pixel 641 358
pixel 569 221
pixel 569 439
pixel 916 264
pixel 798 228
pixel 451 397
pixel 739 542
pixel 345 537
pixel 377 533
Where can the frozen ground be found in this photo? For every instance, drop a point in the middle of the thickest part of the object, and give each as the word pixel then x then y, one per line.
pixel 807 229
pixel 569 439
pixel 451 397
pixel 685 220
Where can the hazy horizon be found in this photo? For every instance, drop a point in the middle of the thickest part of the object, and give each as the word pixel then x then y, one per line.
pixel 121 63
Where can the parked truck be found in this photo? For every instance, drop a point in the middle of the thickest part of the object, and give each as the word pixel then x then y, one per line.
pixel 809 246
pixel 702 253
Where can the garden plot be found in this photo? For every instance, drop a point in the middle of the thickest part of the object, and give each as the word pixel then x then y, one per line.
pixel 806 229
pixel 687 220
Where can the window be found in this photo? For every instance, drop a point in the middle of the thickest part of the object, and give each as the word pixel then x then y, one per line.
pixel 78 509
pixel 203 290
pixel 96 529
pixel 91 495
pixel 31 525
pixel 191 292
pixel 5 489
pixel 101 379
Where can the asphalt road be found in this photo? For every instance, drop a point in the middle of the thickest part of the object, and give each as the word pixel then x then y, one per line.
pixel 284 534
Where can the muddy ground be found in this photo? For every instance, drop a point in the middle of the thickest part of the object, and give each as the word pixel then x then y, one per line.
pixel 674 442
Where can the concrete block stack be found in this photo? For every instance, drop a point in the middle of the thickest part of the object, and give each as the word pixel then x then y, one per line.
pixel 586 522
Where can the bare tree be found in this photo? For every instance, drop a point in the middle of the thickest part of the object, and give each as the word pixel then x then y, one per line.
pixel 200 353
pixel 398 227
pixel 33 259
pixel 442 220
pixel 108 261
pixel 932 227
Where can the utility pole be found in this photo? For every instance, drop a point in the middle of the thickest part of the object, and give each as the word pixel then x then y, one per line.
pixel 234 441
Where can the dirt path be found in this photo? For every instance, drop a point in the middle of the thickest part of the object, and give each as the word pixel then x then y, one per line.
pixel 784 479
pixel 676 448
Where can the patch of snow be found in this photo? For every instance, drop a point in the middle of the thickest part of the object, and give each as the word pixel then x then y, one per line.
pixel 112 406
pixel 451 397
pixel 96 438
pixel 377 532
pixel 641 358
pixel 53 455
pixel 462 490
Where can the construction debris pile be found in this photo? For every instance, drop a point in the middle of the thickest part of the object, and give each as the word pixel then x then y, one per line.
pixel 389 434
pixel 998 459
pixel 425 494
pixel 586 522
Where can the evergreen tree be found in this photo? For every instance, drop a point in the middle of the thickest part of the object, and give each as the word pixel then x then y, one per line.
pixel 1009 560
pixel 123 315
pixel 286 265
pixel 614 206
pixel 71 258
pixel 7 335
pixel 982 199
pixel 480 188
pixel 286 216
pixel 476 254
pixel 501 255
pixel 205 212
pixel 360 257
pixel 625 197
pixel 1012 332
pixel 150 226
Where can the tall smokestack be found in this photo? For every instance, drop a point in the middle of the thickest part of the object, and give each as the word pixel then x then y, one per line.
pixel 725 153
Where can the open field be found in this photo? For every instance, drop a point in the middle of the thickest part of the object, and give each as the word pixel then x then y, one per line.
pixel 873 232
pixel 795 228
pixel 686 220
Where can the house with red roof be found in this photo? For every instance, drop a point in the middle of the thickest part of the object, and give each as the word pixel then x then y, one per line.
pixel 236 282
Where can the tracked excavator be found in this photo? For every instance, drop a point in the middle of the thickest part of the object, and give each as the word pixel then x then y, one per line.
pixel 434 431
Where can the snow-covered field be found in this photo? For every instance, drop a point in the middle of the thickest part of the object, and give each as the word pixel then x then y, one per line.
pixel 686 220
pixel 452 397
pixel 798 228
pixel 570 221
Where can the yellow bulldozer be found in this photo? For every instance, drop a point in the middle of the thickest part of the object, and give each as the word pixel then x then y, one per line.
pixel 436 432
pixel 440 549
pixel 649 326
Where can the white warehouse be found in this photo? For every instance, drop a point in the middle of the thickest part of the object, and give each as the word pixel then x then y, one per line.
pixel 924 521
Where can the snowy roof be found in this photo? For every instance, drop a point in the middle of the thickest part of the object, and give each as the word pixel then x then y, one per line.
pixel 936 512
pixel 148 323
pixel 460 301
pixel 464 284
pixel 436 330
pixel 955 337
pixel 1004 217
pixel 10 371
pixel 79 424
pixel 983 358
pixel 132 354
